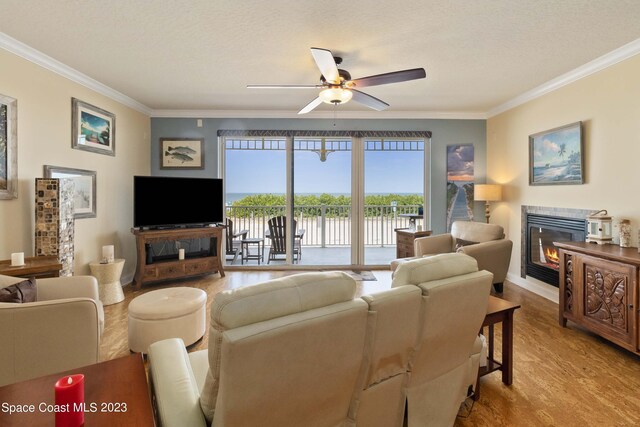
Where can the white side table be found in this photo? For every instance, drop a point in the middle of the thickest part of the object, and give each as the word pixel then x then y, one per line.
pixel 108 276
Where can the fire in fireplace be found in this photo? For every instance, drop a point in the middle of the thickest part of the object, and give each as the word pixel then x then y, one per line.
pixel 542 255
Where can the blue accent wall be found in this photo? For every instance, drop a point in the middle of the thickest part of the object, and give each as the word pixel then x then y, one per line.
pixel 445 132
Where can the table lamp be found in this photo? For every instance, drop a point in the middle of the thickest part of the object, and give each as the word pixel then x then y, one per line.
pixel 487 193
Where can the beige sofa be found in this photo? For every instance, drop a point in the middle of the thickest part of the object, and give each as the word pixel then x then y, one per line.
pixel 484 242
pixel 301 351
pixel 58 332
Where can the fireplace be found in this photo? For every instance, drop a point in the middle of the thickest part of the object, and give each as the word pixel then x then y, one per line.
pixel 542 261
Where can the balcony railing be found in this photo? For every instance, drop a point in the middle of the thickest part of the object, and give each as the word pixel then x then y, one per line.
pixel 327 225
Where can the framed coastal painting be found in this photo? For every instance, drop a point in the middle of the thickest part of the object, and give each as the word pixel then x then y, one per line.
pixel 92 128
pixel 85 188
pixel 181 153
pixel 556 156
pixel 460 165
pixel 8 148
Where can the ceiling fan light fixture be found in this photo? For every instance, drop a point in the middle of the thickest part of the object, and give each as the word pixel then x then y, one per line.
pixel 335 95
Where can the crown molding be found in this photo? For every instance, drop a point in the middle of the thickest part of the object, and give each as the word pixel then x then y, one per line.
pixel 598 64
pixel 341 115
pixel 30 54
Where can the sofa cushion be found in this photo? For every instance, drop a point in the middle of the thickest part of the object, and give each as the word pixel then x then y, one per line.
pixel 434 267
pixel 9 280
pixel 460 243
pixel 21 292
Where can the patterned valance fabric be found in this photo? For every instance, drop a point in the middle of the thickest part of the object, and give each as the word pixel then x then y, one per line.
pixel 325 133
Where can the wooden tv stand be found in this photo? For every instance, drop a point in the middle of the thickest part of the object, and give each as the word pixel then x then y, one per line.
pixel 171 267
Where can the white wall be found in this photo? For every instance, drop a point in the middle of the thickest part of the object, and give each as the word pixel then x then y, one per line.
pixel 44 137
pixel 608 104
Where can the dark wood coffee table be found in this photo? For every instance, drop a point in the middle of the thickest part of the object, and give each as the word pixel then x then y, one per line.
pixel 499 311
pixel 116 385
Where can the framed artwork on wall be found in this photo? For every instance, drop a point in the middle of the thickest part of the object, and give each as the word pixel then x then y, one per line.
pixel 92 128
pixel 85 188
pixel 181 153
pixel 556 156
pixel 8 147
pixel 460 163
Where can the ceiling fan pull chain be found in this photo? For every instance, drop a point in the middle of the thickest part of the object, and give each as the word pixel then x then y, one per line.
pixel 335 114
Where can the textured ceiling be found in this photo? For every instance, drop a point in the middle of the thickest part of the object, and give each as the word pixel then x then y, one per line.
pixel 201 54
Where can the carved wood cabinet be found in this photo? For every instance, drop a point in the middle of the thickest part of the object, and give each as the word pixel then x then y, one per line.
pixel 599 290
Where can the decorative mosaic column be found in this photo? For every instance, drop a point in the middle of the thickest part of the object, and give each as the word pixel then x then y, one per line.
pixel 54 221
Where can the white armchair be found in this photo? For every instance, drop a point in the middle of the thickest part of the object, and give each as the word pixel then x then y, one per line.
pixel 58 332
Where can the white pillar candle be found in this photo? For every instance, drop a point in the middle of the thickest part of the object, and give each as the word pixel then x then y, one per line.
pixel 180 253
pixel 108 253
pixel 17 259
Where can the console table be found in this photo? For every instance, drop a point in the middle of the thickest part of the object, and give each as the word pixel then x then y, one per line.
pixel 118 388
pixel 37 266
pixel 154 269
pixel 599 289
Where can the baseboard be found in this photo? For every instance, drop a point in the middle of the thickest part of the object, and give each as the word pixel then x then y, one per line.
pixel 536 286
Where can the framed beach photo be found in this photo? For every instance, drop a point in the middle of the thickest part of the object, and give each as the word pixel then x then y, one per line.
pixel 556 156
pixel 8 148
pixel 181 153
pixel 92 128
pixel 460 183
pixel 85 188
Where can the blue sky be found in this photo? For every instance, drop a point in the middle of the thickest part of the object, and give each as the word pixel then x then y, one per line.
pixel 547 147
pixel 264 172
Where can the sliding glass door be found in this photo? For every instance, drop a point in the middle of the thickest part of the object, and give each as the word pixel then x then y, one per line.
pixel 322 200
pixel 393 194
pixel 337 199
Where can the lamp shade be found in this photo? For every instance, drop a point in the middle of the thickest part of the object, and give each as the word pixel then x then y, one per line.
pixel 487 192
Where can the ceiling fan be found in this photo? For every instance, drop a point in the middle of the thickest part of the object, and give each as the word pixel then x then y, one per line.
pixel 338 87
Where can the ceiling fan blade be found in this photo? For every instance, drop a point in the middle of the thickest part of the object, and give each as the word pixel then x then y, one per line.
pixel 326 64
pixel 368 100
pixel 310 106
pixel 283 86
pixel 386 78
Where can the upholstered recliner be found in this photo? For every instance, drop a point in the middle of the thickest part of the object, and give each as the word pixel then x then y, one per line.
pixel 484 242
pixel 58 332
pixel 300 351
pixel 454 303
pixel 287 352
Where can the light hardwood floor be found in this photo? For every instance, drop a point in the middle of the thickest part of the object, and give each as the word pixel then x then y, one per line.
pixel 562 376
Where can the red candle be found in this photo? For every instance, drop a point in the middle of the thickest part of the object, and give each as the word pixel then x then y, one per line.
pixel 70 401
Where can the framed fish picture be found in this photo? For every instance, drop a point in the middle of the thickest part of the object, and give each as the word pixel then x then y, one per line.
pixel 181 153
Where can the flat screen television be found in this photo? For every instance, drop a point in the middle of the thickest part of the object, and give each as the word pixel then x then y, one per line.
pixel 172 202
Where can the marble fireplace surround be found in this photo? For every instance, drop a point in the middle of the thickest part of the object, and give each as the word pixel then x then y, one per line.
pixel 543 210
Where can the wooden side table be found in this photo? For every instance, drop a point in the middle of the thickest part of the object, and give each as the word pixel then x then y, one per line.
pixel 245 249
pixel 108 276
pixel 38 266
pixel 499 311
pixel 404 241
pixel 116 389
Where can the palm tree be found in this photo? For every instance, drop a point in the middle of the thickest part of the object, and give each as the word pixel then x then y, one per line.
pixel 563 150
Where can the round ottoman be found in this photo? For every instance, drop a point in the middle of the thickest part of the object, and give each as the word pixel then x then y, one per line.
pixel 167 313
